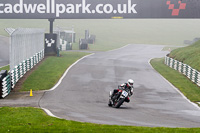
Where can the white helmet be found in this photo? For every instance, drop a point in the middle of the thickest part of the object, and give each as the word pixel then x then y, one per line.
pixel 130 82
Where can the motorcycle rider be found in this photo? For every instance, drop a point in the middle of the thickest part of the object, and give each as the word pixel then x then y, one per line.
pixel 128 85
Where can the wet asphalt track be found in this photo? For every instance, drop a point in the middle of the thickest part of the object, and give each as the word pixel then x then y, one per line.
pixel 4 51
pixel 83 93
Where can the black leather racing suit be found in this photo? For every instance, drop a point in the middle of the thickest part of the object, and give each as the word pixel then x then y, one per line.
pixel 124 86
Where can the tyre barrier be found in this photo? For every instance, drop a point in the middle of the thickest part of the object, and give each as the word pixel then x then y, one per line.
pixel 65 45
pixel 9 80
pixel 185 69
pixel 83 44
pixel 69 46
pixel 5 84
pixel 91 39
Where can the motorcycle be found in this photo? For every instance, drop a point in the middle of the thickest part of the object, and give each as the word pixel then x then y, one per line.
pixel 119 98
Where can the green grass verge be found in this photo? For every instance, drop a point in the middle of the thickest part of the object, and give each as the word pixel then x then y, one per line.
pixel 28 119
pixel 188 88
pixel 169 48
pixel 50 71
pixel 5 68
pixel 189 55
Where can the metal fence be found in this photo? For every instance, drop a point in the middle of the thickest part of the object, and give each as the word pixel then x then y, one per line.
pixel 185 69
pixel 25 42
pixel 26 50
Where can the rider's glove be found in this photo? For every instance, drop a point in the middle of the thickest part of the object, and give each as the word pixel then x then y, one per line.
pixel 131 91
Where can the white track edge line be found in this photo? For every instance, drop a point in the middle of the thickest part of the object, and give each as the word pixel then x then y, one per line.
pixel 59 82
pixel 118 48
pixel 194 104
pixel 50 114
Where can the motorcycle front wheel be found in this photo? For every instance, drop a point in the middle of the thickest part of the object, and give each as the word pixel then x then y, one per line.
pixel 119 102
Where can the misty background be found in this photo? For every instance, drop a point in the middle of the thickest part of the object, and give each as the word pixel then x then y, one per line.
pixel 114 33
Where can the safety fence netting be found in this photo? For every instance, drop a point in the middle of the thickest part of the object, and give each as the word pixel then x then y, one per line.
pixel 26 50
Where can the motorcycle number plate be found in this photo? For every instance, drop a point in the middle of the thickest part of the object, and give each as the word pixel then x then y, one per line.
pixel 124 93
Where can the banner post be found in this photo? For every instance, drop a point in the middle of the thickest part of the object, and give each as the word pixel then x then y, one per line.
pixel 51 20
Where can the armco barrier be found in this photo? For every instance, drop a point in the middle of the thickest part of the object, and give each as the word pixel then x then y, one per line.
pixel 8 82
pixel 185 69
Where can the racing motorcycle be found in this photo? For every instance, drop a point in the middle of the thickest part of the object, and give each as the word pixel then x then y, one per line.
pixel 119 98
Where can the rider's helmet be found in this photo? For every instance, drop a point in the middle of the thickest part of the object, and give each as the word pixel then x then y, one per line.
pixel 130 82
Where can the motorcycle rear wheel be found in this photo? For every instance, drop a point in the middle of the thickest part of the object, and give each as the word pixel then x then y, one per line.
pixel 109 103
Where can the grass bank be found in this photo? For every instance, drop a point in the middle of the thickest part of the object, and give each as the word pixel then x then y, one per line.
pixel 50 71
pixel 5 68
pixel 188 88
pixel 189 55
pixel 35 120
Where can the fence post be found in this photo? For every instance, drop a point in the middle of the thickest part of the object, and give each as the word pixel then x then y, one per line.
pixel 173 63
pixel 191 73
pixel 168 61
pixel 182 68
pixel 196 77
pixel 177 66
pixel 1 86
pixel 186 70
